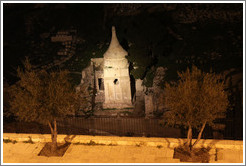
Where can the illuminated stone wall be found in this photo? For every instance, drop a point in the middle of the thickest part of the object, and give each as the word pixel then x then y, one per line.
pixel 116 76
pixel 109 77
pixel 222 151
pixel 139 104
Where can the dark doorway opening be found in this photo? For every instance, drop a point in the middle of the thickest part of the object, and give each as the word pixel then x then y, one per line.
pixel 100 84
pixel 133 86
pixel 116 82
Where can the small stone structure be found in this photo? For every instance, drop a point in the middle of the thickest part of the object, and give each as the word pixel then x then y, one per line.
pixel 154 102
pixel 109 79
pixel 138 99
pixel 116 76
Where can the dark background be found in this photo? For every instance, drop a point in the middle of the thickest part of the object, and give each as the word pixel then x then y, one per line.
pixel 174 36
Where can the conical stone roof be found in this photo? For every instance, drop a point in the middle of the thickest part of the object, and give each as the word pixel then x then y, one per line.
pixel 115 51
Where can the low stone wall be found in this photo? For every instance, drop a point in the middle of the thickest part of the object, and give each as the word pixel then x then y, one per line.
pixel 221 150
pixel 145 141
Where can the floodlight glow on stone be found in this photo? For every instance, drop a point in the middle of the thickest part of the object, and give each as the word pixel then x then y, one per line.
pixel 116 75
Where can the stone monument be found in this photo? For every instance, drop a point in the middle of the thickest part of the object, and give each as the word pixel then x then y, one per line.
pixel 116 76
pixel 117 88
pixel 108 79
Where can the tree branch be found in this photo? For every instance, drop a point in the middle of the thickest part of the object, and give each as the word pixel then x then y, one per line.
pixel 55 126
pixel 51 129
pixel 200 133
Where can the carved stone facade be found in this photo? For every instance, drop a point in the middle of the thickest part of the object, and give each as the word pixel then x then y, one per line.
pixel 116 76
pixel 108 81
pixel 109 78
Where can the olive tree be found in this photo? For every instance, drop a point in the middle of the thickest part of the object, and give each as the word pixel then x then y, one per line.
pixel 197 99
pixel 43 97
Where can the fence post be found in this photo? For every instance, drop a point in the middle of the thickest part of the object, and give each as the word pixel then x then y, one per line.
pixel 119 126
pixel 146 127
pixel 92 126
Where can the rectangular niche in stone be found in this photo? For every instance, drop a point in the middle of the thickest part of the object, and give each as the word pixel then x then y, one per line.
pixel 100 84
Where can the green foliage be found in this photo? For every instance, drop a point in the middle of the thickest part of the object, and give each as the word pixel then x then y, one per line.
pixel 158 114
pixel 141 61
pixel 109 109
pixel 88 113
pixel 125 113
pixel 91 143
pixel 141 66
pixel 112 144
pixel 29 141
pixel 138 145
pixel 196 98
pixel 41 96
pixel 9 141
pixel 128 108
pixel 148 80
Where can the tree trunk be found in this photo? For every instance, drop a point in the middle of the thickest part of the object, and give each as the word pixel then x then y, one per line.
pixel 189 138
pixel 54 140
pixel 53 136
pixel 200 134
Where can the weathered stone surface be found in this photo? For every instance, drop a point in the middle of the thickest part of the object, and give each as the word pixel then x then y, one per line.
pixel 159 77
pixel 116 76
pixel 139 103
pixel 149 105
pixel 154 95
pixel 115 50
pixel 108 78
pixel 120 149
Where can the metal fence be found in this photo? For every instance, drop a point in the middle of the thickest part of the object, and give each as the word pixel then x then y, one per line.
pixel 233 129
pixel 142 127
pixel 125 126
pixel 118 126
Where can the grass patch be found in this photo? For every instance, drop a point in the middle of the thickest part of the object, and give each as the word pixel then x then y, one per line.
pixel 9 141
pixel 128 108
pixel 126 112
pixel 78 143
pixel 112 144
pixel 91 143
pixel 138 145
pixel 109 109
pixel 29 141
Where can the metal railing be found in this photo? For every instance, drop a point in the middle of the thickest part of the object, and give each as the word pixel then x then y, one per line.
pixel 125 126
pixel 119 126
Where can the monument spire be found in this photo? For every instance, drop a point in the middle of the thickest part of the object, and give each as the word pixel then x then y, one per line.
pixel 114 41
pixel 115 50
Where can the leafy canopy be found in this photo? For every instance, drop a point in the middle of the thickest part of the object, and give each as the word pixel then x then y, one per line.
pixel 41 96
pixel 197 98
